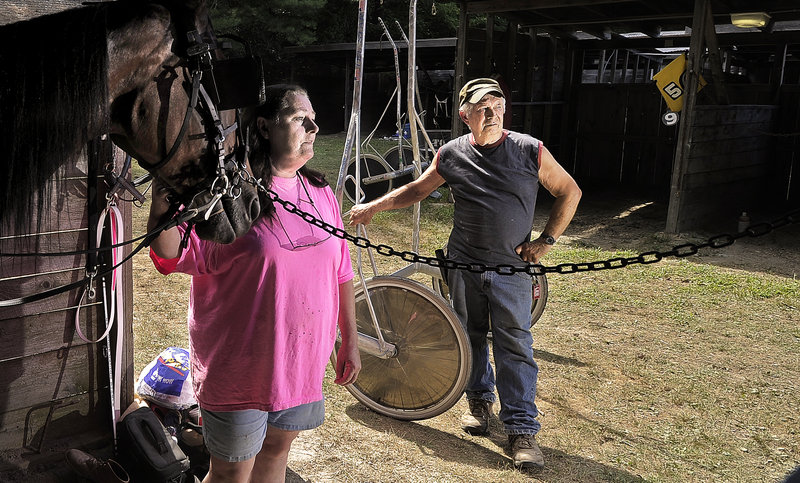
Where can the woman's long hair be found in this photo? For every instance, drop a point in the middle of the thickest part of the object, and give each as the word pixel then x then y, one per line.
pixel 277 99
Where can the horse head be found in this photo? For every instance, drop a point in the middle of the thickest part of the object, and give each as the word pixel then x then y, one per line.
pixel 136 72
pixel 161 113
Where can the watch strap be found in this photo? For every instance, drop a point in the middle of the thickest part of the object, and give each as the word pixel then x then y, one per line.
pixel 547 239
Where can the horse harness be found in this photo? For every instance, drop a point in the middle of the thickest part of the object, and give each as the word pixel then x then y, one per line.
pixel 211 91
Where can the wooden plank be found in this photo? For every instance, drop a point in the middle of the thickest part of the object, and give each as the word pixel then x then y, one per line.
pixel 723 162
pixel 716 208
pixel 15 267
pixel 731 146
pixel 753 175
pixel 723 133
pixel 733 114
pixel 12 289
pixel 67 211
pixel 66 372
pixel 48 332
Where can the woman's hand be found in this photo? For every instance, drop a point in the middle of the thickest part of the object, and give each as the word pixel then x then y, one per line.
pixel 348 364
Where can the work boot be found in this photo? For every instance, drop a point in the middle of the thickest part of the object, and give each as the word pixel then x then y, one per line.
pixel 94 469
pixel 476 420
pixel 525 451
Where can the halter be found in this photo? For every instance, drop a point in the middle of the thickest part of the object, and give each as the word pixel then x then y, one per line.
pixel 200 63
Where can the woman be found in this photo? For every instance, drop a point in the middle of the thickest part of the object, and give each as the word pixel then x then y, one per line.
pixel 263 310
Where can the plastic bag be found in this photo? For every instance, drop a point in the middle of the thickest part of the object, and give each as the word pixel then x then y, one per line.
pixel 167 380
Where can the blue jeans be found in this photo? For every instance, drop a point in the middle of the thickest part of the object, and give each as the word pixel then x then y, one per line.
pixel 506 301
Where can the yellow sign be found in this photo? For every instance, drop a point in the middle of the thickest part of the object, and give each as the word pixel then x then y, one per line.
pixel 670 83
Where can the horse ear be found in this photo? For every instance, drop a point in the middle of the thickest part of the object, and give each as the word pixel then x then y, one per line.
pixel 263 126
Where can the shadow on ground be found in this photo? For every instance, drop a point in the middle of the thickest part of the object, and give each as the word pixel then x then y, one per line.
pixel 614 222
pixel 488 452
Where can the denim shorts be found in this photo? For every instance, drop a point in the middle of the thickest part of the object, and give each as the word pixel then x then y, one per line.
pixel 235 436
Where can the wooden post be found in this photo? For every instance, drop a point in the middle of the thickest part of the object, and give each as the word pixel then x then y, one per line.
pixel 776 76
pixel 718 79
pixel 601 67
pixel 572 75
pixel 488 46
pixel 348 94
pixel 530 74
pixel 456 128
pixel 550 80
pixel 684 141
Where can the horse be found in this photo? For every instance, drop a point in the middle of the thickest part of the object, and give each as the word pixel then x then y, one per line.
pixel 137 73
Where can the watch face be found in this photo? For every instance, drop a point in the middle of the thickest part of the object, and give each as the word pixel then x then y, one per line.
pixel 548 239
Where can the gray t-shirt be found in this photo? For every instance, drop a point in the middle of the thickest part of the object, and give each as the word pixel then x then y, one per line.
pixel 494 189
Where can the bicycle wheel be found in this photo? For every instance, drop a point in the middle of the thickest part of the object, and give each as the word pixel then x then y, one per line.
pixel 539 289
pixel 371 165
pixel 428 374
pixel 393 157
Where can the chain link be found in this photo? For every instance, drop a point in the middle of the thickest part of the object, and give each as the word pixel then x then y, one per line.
pixel 646 258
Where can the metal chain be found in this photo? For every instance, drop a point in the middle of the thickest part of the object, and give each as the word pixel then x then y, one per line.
pixel 679 251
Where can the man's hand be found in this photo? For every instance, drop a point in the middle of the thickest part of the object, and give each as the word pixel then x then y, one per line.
pixel 533 251
pixel 361 214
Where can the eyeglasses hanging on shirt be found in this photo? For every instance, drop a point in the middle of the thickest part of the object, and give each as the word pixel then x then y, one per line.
pixel 310 235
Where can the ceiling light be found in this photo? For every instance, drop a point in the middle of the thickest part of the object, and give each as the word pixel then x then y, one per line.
pixel 750 19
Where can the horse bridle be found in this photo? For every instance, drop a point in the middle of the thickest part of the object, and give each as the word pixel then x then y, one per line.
pixel 199 62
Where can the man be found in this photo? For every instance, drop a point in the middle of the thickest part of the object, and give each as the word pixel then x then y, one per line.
pixel 494 176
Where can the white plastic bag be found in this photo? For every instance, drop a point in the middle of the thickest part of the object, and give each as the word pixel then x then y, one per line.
pixel 167 381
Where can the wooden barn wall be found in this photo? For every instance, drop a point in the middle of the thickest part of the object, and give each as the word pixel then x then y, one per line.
pixel 730 164
pixel 55 386
pixel 536 71
pixel 620 140
pixel 785 181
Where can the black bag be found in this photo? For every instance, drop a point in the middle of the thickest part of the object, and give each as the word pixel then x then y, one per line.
pixel 147 450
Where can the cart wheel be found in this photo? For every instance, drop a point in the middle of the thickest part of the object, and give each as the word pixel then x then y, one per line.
pixel 539 293
pixel 371 165
pixel 428 374
pixel 392 156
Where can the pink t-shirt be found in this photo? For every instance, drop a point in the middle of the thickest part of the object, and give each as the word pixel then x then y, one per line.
pixel 262 316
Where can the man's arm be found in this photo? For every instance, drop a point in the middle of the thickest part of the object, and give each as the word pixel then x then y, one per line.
pixel 563 187
pixel 404 196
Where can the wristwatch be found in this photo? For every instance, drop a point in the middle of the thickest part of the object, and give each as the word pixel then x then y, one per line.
pixel 549 240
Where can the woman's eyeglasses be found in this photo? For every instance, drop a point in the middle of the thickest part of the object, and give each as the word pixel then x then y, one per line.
pixel 312 238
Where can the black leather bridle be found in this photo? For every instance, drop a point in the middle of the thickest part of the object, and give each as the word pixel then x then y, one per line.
pixel 201 68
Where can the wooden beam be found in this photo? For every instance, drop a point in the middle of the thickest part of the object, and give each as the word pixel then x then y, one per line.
pixel 684 141
pixel 499 6
pixel 722 39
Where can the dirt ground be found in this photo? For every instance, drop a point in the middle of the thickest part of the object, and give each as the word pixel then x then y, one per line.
pixel 611 223
pixel 615 223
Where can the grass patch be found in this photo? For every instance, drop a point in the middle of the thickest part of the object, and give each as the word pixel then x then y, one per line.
pixel 678 371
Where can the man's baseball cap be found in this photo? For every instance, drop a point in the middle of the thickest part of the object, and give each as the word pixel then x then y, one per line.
pixel 474 90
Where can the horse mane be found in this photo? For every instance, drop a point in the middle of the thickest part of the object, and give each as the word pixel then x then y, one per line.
pixel 53 102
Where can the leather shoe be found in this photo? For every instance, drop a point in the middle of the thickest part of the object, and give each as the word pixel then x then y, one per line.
pixel 98 471
pixel 525 451
pixel 476 420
